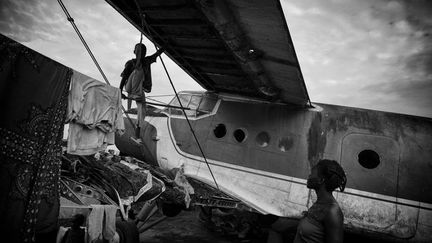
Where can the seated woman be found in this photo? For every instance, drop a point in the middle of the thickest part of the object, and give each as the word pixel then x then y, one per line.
pixel 323 221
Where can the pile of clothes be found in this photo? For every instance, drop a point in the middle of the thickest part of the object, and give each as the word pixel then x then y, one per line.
pixel 132 179
pixel 107 172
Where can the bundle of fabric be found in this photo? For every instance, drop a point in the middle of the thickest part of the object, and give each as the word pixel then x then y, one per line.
pixel 94 115
pixel 33 101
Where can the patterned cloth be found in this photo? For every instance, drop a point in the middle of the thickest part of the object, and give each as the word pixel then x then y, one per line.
pixel 33 102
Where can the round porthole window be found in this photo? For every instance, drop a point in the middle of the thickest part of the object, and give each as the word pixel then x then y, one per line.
pixel 239 135
pixel 369 159
pixel 220 131
pixel 263 139
pixel 285 144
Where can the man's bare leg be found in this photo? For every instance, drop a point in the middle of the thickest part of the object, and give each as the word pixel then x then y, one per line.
pixel 137 138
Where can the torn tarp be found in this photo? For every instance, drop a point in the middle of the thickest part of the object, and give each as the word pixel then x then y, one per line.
pixel 181 181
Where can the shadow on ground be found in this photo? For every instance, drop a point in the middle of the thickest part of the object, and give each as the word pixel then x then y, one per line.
pixel 187 228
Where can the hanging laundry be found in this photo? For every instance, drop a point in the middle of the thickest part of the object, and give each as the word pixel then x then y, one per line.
pixel 101 223
pixel 94 113
pixel 95 223
pixel 33 101
pixel 110 222
pixel 86 141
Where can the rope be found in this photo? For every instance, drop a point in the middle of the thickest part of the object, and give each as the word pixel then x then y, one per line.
pixel 155 96
pixel 144 23
pixel 71 20
pixel 155 100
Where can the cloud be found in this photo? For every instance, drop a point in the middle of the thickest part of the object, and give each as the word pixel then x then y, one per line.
pixel 20 19
pixel 42 26
pixel 369 54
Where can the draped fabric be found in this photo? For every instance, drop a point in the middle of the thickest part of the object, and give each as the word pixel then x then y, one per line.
pixel 33 102
pixel 94 113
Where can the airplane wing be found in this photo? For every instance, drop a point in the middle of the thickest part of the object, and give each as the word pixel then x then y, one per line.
pixel 240 47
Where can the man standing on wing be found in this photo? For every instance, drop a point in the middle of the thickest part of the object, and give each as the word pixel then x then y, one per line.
pixel 138 80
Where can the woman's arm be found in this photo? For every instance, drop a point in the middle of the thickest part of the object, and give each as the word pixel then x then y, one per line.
pixel 333 225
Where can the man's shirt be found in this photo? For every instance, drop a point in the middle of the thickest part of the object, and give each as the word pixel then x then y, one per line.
pixel 146 62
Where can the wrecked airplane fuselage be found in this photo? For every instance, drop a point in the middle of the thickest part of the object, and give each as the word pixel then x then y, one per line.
pixel 261 153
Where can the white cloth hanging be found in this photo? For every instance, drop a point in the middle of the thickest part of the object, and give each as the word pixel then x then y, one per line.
pixel 94 113
pixel 101 223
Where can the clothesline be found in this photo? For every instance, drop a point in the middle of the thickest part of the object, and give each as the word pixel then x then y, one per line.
pixel 164 105
pixel 155 96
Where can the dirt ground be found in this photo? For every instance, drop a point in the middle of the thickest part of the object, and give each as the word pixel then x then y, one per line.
pixel 187 228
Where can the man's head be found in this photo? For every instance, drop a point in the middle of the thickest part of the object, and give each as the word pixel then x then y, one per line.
pixel 141 47
pixel 78 221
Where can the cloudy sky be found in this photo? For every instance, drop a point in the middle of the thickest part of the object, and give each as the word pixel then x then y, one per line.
pixel 363 53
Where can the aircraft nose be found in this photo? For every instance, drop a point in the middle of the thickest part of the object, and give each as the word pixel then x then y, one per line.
pixel 144 150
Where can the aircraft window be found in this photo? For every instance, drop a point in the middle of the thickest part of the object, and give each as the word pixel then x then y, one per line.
pixel 184 98
pixel 285 144
pixel 207 105
pixel 239 135
pixel 220 131
pixel 263 139
pixel 369 159
pixel 197 104
pixel 193 105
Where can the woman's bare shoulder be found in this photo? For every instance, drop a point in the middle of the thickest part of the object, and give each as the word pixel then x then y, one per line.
pixel 334 214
